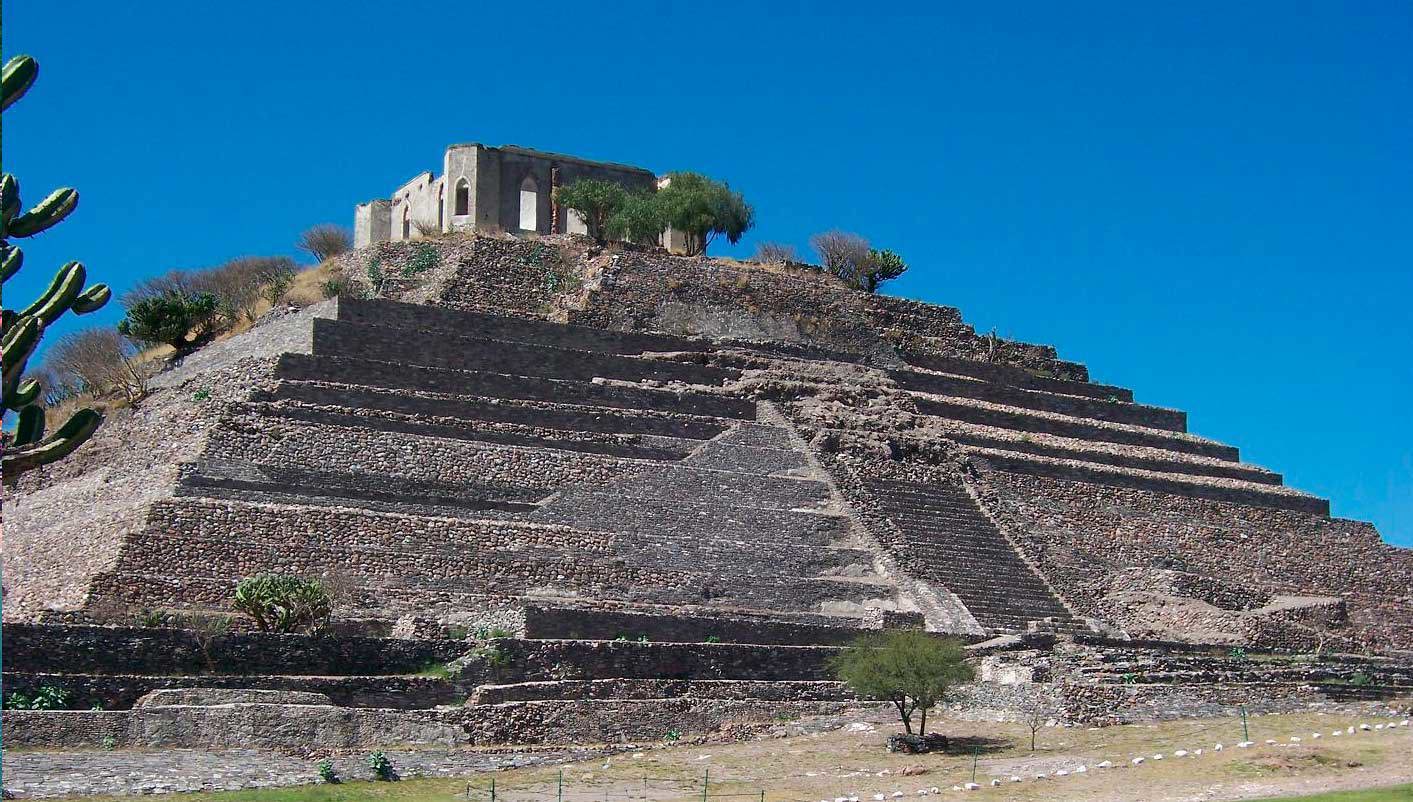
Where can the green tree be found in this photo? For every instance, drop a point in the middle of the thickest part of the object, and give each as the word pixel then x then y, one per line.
pixel 702 209
pixel 168 319
pixel 282 603
pixel 880 266
pixel 638 219
pixel 595 200
pixel 911 669
pixel 28 448
pixel 849 257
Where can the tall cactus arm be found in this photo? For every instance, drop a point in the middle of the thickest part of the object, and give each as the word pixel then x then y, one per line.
pixel 19 342
pixel 62 292
pixel 17 78
pixel 26 393
pixel 92 299
pixel 46 214
pixel 71 435
pixel 30 428
pixel 9 196
pixel 10 261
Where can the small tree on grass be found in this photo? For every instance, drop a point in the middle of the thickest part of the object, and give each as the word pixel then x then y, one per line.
pixel 170 317
pixel 1035 712
pixel 281 603
pixel 911 669
pixel 325 241
pixel 595 200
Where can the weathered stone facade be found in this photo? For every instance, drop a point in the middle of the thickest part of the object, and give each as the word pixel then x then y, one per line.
pixel 488 189
pixel 671 488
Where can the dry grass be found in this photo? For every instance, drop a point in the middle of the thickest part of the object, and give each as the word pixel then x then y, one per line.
pixel 805 768
pixel 306 289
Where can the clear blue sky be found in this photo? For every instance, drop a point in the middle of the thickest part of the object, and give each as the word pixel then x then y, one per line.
pixel 1209 202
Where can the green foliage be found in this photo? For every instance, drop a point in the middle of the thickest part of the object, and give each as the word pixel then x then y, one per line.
pixel 327 773
pixel 1361 679
pixel 595 200
pixel 882 266
pixel 168 318
pixel 377 280
pixel 47 697
pixel 639 219
pixel 911 669
pixel 492 655
pixel 849 257
pixel 22 331
pixel 702 209
pixel 155 619
pixel 334 287
pixel 490 633
pixel 276 283
pixel 201 395
pixel 1238 654
pixel 282 603
pixel 713 639
pixel 381 766
pixel 109 743
pixel 434 671
pixel 424 258
pixel 672 736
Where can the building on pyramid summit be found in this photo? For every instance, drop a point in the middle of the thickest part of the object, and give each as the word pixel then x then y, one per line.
pixel 611 492
pixel 489 189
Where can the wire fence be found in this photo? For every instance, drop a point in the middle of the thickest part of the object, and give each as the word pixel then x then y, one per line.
pixel 1228 732
pixel 652 788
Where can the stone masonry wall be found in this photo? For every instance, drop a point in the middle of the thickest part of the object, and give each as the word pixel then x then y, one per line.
pixel 1080 534
pixel 154 651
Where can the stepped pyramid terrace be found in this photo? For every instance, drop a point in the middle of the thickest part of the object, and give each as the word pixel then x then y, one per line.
pixel 612 492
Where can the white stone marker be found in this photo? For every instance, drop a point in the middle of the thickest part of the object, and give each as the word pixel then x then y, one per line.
pixel 1137 761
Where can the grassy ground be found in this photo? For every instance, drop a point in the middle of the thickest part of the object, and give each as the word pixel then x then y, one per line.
pixel 844 763
pixel 1399 793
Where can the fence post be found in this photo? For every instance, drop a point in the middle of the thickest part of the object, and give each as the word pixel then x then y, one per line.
pixel 706 781
pixel 1245 734
pixel 493 789
pixel 975 751
pixel 762 795
pixel 559 792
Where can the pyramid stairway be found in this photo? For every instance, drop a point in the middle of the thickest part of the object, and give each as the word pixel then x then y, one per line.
pixel 947 539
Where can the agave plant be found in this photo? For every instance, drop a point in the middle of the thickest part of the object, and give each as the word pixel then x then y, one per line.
pixel 282 603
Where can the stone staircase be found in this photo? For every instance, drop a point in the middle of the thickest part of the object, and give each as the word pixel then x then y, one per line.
pixel 1010 420
pixel 947 539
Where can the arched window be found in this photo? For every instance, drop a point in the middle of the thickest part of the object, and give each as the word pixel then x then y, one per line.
pixel 463 197
pixel 529 205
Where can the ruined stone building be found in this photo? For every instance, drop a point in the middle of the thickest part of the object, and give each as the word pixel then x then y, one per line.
pixel 481 188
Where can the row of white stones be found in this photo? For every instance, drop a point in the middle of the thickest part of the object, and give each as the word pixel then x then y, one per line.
pixel 1138 761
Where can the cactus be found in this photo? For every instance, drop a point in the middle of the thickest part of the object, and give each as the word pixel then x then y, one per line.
pixel 28 448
